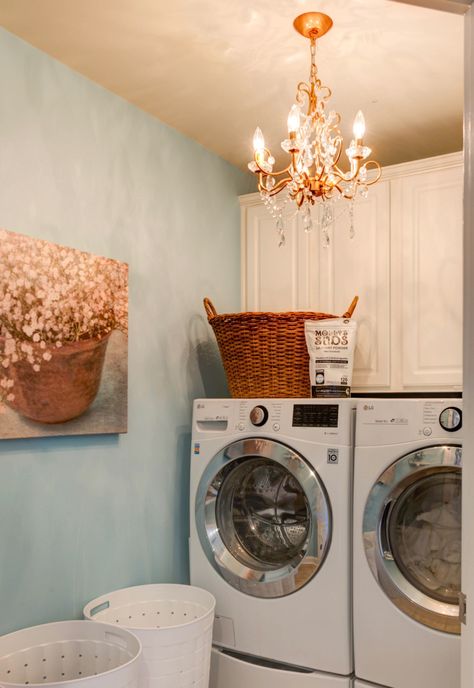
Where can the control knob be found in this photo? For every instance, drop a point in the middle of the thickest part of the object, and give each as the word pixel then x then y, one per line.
pixel 451 419
pixel 258 416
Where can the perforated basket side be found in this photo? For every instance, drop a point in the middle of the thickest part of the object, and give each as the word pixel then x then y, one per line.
pixel 174 624
pixel 70 653
pixel 155 606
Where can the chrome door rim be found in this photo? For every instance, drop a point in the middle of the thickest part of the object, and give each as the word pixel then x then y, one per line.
pixel 403 593
pixel 252 581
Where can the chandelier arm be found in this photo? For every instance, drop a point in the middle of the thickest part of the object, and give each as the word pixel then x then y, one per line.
pixel 303 88
pixel 353 176
pixel 272 174
pixel 308 91
pixel 320 175
pixel 263 172
pixel 338 153
pixel 326 96
pixel 341 175
pixel 375 165
pixel 329 196
pixel 338 174
pixel 277 188
pixel 280 186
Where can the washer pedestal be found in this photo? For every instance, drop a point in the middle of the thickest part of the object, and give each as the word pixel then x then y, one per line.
pixel 230 672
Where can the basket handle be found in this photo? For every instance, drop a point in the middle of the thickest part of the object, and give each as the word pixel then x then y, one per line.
pixel 351 309
pixel 211 311
pixel 98 608
pixel 209 307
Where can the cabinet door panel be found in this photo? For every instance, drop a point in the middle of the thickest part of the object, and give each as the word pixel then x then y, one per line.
pixel 431 233
pixel 276 278
pixel 361 265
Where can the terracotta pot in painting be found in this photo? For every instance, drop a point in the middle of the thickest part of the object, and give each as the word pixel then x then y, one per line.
pixel 64 387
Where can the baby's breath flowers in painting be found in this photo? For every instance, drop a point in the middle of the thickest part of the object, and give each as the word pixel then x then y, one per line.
pixel 58 309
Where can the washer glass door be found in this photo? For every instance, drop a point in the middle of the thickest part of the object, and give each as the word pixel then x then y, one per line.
pixel 263 517
pixel 412 535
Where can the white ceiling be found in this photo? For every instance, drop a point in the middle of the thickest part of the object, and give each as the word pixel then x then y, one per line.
pixel 214 70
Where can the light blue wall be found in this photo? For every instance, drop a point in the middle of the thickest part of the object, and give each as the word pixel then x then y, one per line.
pixel 81 167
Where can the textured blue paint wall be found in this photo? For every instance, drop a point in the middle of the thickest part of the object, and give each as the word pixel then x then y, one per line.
pixel 81 167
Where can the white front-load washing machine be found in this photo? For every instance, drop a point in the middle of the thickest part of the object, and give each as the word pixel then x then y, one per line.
pixel 270 538
pixel 407 542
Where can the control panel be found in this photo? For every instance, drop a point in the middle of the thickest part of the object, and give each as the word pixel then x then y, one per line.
pixel 327 422
pixel 287 415
pixel 395 421
pixel 315 415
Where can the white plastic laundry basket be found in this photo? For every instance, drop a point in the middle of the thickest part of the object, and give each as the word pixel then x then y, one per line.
pixel 174 624
pixel 74 654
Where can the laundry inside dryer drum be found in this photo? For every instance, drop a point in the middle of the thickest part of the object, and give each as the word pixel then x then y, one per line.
pixel 263 514
pixel 412 535
pixel 424 529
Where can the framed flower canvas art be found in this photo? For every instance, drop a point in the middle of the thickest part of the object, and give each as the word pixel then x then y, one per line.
pixel 63 340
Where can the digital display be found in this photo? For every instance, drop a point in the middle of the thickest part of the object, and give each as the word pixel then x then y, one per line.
pixel 315 415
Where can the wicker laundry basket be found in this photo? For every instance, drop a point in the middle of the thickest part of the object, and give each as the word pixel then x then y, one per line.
pixel 265 354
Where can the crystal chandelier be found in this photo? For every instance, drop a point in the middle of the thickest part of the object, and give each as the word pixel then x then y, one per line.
pixel 314 145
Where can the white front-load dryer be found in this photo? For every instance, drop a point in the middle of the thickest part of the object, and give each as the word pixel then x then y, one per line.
pixel 407 542
pixel 270 537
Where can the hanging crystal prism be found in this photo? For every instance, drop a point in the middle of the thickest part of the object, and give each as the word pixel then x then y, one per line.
pixel 307 221
pixel 325 237
pixel 326 220
pixel 280 227
pixel 351 219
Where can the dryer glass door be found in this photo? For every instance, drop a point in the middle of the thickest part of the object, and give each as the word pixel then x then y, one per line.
pixel 263 517
pixel 412 535
pixel 424 530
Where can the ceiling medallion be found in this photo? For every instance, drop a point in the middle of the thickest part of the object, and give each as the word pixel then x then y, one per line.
pixel 314 144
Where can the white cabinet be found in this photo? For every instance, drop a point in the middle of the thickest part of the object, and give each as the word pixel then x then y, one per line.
pixel 361 265
pixel 276 278
pixel 427 221
pixel 404 262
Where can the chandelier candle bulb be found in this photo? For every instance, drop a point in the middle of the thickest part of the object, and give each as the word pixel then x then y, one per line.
pixel 258 144
pixel 293 120
pixel 359 127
